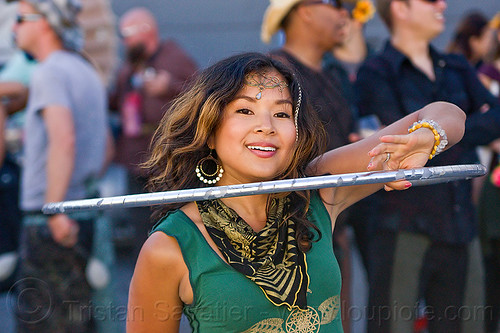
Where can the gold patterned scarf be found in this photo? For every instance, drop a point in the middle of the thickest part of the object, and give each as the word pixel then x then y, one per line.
pixel 270 257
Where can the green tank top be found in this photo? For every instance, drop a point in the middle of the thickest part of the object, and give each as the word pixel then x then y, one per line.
pixel 227 301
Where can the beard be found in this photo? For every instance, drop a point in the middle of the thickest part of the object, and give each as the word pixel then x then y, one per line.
pixel 136 55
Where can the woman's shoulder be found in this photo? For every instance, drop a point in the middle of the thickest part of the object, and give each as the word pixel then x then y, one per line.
pixel 161 248
pixel 159 254
pixel 164 242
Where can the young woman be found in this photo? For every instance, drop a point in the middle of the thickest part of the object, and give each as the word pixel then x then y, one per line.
pixel 472 38
pixel 261 263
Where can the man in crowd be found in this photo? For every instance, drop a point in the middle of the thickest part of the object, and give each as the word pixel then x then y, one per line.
pixel 65 146
pixel 425 245
pixel 153 74
pixel 313 28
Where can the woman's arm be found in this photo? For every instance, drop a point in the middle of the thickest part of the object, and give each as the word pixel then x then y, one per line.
pixel 154 303
pixel 406 151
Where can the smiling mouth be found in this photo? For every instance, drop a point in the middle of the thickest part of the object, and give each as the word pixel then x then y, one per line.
pixel 261 148
pixel 439 16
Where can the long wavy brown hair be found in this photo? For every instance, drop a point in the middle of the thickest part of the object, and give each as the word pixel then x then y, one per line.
pixel 181 138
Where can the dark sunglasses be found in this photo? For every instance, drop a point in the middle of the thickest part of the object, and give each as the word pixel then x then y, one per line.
pixel 334 3
pixel 20 18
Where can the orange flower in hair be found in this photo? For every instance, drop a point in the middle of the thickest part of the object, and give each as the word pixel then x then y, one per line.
pixel 495 21
pixel 364 11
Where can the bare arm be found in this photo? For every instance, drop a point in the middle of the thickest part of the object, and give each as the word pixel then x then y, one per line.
pixel 17 95
pixel 407 151
pixel 60 165
pixel 61 152
pixel 154 304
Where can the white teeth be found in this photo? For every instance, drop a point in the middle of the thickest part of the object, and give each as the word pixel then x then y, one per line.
pixel 262 148
pixel 439 15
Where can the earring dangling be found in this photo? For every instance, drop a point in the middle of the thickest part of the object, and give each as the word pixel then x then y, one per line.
pixel 209 174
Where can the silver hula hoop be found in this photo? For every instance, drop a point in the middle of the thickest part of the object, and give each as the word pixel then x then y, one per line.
pixel 418 176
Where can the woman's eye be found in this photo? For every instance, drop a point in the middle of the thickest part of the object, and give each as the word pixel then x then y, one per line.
pixel 282 115
pixel 244 111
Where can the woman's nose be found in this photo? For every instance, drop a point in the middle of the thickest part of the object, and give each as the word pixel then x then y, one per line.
pixel 264 124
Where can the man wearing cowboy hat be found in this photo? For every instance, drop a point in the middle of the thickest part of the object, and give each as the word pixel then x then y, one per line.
pixel 312 28
pixel 65 142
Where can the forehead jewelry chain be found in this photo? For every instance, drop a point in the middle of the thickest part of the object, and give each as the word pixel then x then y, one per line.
pixel 263 81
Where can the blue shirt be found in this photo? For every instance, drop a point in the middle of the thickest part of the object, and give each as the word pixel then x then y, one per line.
pixel 390 87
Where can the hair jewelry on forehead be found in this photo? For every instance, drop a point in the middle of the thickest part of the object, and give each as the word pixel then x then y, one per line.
pixel 262 81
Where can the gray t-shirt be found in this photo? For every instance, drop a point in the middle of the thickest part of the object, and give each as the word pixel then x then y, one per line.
pixel 64 79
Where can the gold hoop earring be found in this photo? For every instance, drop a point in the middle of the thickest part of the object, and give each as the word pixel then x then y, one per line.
pixel 208 170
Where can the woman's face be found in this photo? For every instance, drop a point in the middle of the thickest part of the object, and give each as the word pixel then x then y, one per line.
pixel 481 44
pixel 256 137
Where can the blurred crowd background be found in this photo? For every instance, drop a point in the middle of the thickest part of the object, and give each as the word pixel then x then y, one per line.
pixel 212 30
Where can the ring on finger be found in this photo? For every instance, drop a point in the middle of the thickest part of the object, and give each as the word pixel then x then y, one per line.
pixel 388 157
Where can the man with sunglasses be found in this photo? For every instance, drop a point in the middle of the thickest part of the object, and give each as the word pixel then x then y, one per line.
pixel 64 153
pixel 153 74
pixel 312 28
pixel 425 244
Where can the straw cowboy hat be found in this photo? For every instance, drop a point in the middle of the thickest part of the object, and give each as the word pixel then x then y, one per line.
pixel 274 15
pixel 279 9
